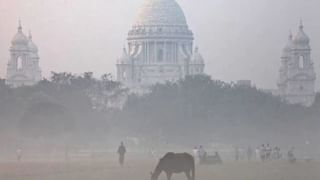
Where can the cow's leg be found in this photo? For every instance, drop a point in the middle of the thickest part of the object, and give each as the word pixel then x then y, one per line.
pixel 169 175
pixel 188 175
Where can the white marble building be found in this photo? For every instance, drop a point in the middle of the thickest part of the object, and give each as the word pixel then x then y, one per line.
pixel 297 76
pixel 23 67
pixel 160 47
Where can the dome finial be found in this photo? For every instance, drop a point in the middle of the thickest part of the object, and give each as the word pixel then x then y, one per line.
pixel 20 26
pixel 301 38
pixel 301 24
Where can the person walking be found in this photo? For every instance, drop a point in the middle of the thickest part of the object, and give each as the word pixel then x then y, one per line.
pixel 202 154
pixel 268 152
pixel 257 153
pixel 19 154
pixel 196 153
pixel 122 151
pixel 291 156
pixel 263 152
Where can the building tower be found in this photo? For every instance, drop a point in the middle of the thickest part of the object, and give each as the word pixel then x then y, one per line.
pixel 160 47
pixel 23 67
pixel 297 76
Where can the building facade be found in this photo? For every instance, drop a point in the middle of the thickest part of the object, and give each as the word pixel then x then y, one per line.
pixel 160 47
pixel 297 76
pixel 23 67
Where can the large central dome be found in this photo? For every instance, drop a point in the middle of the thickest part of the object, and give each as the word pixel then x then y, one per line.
pixel 160 13
pixel 160 47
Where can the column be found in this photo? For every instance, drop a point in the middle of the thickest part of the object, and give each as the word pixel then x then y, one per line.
pixel 155 52
pixel 165 51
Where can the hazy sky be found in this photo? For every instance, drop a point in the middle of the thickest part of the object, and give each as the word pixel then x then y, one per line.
pixel 239 39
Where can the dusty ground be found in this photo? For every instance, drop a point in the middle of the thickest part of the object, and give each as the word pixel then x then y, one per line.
pixel 140 170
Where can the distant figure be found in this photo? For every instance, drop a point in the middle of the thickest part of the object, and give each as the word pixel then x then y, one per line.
pixel 249 153
pixel 257 153
pixel 175 163
pixel 276 153
pixel 268 152
pixel 291 156
pixel 218 159
pixel 121 151
pixel 279 154
pixel 201 154
pixel 263 152
pixel 19 154
pixel 195 152
pixel 212 160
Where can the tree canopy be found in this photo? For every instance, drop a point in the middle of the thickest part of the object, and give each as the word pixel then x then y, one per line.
pixel 199 109
pixel 195 109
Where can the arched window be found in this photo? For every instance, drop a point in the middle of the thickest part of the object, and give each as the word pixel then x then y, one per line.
pixel 301 62
pixel 124 75
pixel 19 63
pixel 160 55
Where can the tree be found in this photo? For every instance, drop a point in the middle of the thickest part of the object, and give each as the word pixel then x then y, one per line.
pixel 46 119
pixel 199 109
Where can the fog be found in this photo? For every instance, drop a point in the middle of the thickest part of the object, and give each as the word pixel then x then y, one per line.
pixel 78 123
pixel 70 127
pixel 239 39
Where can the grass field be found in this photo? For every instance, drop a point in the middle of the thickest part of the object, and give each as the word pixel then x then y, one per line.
pixel 140 170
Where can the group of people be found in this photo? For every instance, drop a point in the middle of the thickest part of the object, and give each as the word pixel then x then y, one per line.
pixel 199 153
pixel 203 158
pixel 263 152
pixel 267 153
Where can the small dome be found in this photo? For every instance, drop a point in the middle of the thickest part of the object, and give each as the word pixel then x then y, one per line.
pixel 301 38
pixel 288 47
pixel 31 44
pixel 289 43
pixel 159 13
pixel 20 38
